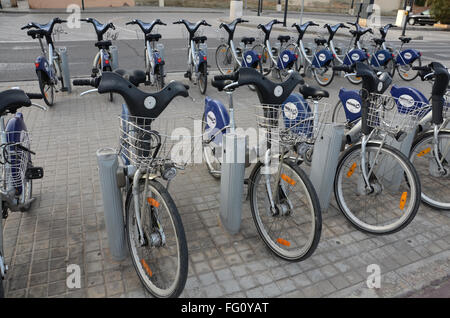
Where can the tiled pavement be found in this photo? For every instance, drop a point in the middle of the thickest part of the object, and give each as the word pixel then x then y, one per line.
pixel 66 226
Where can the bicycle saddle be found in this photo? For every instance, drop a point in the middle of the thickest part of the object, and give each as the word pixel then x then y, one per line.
pixel 140 103
pixel 103 44
pixel 247 40
pixel 13 99
pixel 313 92
pixel 199 39
pixel 283 38
pixel 379 41
pixel 152 37
pixel 271 93
pixel 320 41
pixel 37 33
pixel 301 29
pixel 404 39
pixel 135 77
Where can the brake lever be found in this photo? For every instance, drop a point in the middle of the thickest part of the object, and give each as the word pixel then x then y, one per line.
pixel 39 106
pixel 349 74
pixel 428 75
pixel 89 91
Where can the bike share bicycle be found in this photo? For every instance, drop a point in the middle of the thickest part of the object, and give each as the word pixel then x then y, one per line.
pixel 279 59
pixel 155 233
pixel 388 59
pixel 197 54
pixel 154 60
pixel 49 69
pixel 17 171
pixel 229 58
pixel 376 187
pixel 283 201
pixel 103 60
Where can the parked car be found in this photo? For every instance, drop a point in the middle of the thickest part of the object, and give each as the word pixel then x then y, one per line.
pixel 422 18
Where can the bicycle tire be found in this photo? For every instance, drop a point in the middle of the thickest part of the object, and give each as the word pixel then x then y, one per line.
pixel 407 77
pixel 28 195
pixel 418 151
pixel 327 80
pixel 213 171
pixel 42 85
pixel 275 244
pixel 412 182
pixel 159 77
pixel 226 58
pixel 266 61
pixel 141 269
pixel 203 78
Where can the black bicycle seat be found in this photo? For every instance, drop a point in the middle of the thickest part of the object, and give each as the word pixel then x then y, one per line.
pixel 247 40
pixel 379 41
pixel 199 39
pixel 283 38
pixel 404 39
pixel 103 44
pixel 36 33
pixel 140 103
pixel 320 41
pixel 135 77
pixel 313 92
pixel 153 37
pixel 13 99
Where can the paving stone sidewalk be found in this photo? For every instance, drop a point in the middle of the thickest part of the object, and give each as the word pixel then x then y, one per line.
pixel 66 225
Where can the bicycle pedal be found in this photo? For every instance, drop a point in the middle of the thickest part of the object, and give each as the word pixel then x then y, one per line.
pixel 187 74
pixel 34 173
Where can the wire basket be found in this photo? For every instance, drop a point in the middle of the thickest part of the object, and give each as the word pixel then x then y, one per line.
pixel 148 142
pixel 394 115
pixel 14 158
pixel 292 122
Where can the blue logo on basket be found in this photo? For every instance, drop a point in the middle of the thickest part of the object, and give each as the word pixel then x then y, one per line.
pixel 297 115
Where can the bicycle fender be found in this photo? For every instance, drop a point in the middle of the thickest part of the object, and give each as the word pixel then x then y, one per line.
pixel 407 56
pixel 355 55
pixel 321 58
pixel 351 101
pixel 380 58
pixel 296 112
pixel 408 98
pixel 216 118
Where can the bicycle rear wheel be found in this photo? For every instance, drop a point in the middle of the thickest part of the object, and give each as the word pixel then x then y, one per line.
pixel 162 261
pixel 224 59
pixel 294 232
pixel 435 184
pixel 394 195
pixel 266 61
pixel 324 75
pixel 406 71
pixel 47 89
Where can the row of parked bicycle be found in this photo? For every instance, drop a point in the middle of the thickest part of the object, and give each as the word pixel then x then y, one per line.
pixel 379 179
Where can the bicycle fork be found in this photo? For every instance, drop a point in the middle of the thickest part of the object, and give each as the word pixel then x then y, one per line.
pixel 441 170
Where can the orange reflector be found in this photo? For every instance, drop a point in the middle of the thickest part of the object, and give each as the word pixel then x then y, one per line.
pixel 357 78
pixel 287 179
pixel 351 170
pixel 228 71
pixel 325 79
pixel 406 75
pixel 283 242
pixel 146 267
pixel 424 152
pixel 403 200
pixel 153 202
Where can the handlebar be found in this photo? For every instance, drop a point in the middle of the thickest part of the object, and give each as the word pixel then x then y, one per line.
pixel 345 68
pixel 94 82
pixel 34 96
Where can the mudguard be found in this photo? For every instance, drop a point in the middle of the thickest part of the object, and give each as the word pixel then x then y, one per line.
pixel 351 101
pixel 408 98
pixel 106 63
pixel 407 56
pixel 251 59
pixel 216 118
pixel 355 55
pixel 15 129
pixel 296 112
pixel 158 58
pixel 42 64
pixel 321 58
pixel 286 59
pixel 202 58
pixel 380 58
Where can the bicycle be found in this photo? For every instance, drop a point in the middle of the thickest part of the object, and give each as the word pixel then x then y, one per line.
pixel 289 226
pixel 155 233
pixel 154 60
pixel 430 152
pixel 279 59
pixel 48 69
pixel 17 170
pixel 229 58
pixel 386 58
pixel 197 54
pixel 103 59
pixel 376 186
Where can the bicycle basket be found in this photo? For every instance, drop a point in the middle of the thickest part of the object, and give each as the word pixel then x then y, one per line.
pixel 394 115
pixel 148 142
pixel 14 159
pixel 296 121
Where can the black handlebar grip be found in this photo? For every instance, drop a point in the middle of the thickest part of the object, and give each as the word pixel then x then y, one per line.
pixel 229 77
pixel 34 95
pixel 84 82
pixel 345 68
pixel 421 68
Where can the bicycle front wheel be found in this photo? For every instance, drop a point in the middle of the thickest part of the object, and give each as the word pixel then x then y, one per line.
pixel 161 258
pixel 435 183
pixel 324 75
pixel 224 59
pixel 393 197
pixel 406 72
pixel 266 61
pixel 292 233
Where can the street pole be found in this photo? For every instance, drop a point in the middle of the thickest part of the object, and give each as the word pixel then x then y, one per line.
pixel 285 12
pixel 259 7
pixel 359 12
pixel 82 4
pixel 301 13
pixel 408 10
